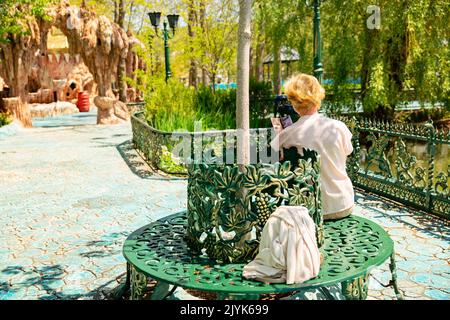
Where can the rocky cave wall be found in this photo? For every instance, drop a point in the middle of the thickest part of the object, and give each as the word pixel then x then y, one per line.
pixel 96 46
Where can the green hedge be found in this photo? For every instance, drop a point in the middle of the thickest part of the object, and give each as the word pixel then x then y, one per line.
pixel 4 119
pixel 172 106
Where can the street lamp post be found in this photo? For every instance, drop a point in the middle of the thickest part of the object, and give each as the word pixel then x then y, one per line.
pixel 318 67
pixel 155 18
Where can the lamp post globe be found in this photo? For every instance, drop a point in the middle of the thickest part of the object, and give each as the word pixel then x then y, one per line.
pixel 173 21
pixel 155 18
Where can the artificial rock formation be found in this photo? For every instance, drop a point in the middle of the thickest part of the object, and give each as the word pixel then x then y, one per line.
pixel 94 40
pixel 15 107
pixel 111 111
pixel 52 109
pixel 16 57
pixel 64 74
pixel 102 45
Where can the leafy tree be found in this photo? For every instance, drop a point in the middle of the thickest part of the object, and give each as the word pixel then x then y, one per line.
pixel 283 24
pixel 214 39
pixel 212 27
pixel 406 58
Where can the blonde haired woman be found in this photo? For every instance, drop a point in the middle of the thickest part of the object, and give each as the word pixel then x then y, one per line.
pixel 330 138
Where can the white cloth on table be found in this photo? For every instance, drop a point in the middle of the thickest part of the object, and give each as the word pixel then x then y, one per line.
pixel 332 140
pixel 288 249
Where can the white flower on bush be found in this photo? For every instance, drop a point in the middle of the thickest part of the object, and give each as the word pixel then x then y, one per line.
pixel 167 155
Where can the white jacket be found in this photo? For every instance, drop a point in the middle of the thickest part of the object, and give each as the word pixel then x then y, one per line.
pixel 288 249
pixel 333 141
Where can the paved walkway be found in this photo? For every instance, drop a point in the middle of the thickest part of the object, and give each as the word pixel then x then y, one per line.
pixel 72 191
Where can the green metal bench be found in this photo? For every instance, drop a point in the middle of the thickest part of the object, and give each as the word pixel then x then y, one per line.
pixel 352 247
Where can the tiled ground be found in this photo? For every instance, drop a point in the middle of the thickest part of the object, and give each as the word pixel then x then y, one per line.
pixel 72 191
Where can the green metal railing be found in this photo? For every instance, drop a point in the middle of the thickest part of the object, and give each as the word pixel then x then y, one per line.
pixel 407 163
pixel 404 162
pixel 158 147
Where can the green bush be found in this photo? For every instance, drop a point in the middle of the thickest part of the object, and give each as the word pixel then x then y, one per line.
pixel 169 106
pixel 4 119
pixel 261 103
pixel 173 106
pixel 422 115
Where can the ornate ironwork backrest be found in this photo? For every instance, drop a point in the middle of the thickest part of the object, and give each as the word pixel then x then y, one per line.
pixel 227 208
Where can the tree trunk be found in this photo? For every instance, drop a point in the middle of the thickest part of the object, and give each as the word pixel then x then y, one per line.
pixel 130 15
pixel 259 54
pixel 19 109
pixel 205 76
pixel 202 13
pixel 192 18
pixel 213 81
pixel 243 69
pixel 121 15
pixel 276 68
pixel 121 71
pixel 16 57
pixel 370 38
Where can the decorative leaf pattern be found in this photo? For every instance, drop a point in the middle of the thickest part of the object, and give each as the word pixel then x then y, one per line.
pixel 400 175
pixel 220 197
pixel 352 247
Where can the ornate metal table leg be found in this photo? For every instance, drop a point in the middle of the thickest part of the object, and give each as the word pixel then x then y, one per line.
pixel 327 293
pixel 138 284
pixel 161 291
pixel 393 282
pixel 123 288
pixel 356 289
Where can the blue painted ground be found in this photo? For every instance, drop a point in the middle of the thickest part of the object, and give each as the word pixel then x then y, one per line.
pixel 72 192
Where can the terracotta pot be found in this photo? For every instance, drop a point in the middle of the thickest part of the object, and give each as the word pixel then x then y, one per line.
pixel 83 102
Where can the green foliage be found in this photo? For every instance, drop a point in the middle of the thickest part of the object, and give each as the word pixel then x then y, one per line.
pixel 409 53
pixel 422 115
pixel 207 100
pixel 16 13
pixel 261 103
pixel 4 119
pixel 283 24
pixel 214 45
pixel 168 163
pixel 378 90
pixel 174 106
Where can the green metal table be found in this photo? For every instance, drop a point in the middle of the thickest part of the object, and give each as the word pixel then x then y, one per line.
pixel 352 247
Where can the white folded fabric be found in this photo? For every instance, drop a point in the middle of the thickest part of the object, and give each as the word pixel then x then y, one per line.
pixel 288 249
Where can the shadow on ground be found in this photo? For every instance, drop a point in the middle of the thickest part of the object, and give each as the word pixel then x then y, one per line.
pixel 137 165
pixel 414 219
pixel 110 245
pixel 47 279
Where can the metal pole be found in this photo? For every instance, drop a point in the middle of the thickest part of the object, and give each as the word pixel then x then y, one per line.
pixel 318 67
pixel 166 49
pixel 151 54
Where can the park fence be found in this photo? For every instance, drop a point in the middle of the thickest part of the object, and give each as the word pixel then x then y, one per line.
pixel 404 162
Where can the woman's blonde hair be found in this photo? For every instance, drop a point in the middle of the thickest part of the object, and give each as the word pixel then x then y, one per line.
pixel 304 91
